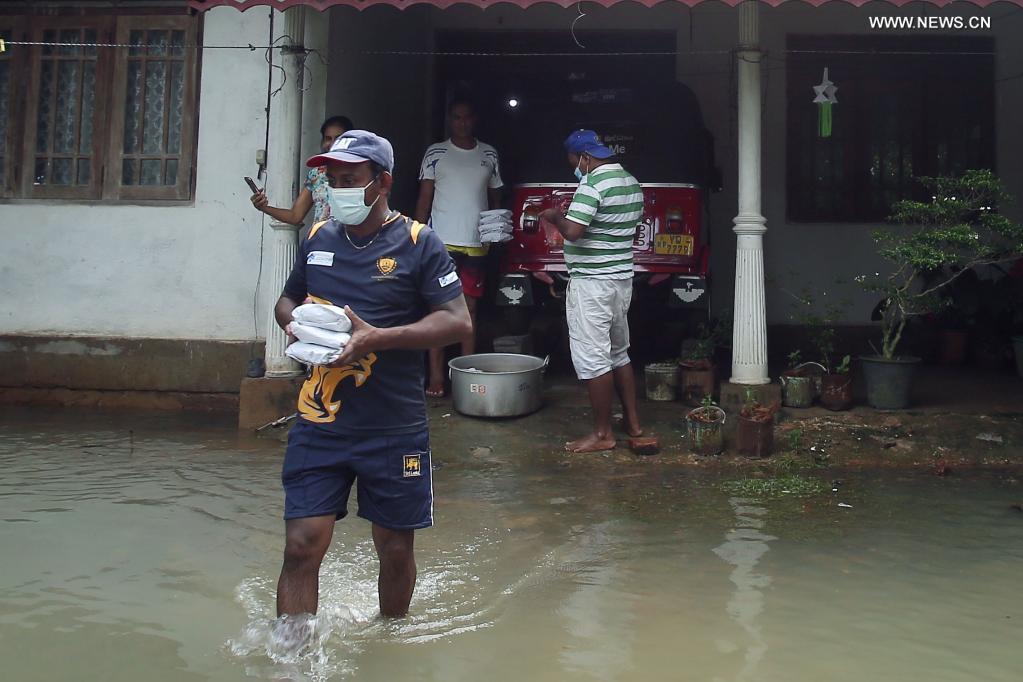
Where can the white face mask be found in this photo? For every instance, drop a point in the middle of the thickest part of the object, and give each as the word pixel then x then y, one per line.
pixel 579 175
pixel 348 204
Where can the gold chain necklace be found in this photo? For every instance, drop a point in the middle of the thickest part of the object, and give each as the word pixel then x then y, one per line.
pixel 370 242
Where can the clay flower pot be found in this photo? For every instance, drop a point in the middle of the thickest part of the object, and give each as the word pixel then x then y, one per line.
pixel 697 379
pixel 836 392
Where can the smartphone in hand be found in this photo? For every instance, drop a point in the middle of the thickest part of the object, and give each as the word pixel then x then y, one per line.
pixel 252 185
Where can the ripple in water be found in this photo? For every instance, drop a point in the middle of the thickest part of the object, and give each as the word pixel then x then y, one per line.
pixel 326 646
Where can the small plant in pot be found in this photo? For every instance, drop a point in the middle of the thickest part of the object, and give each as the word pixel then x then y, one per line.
pixel 836 387
pixel 697 371
pixel 756 427
pixel 934 244
pixel 800 383
pixel 705 428
pixel 820 327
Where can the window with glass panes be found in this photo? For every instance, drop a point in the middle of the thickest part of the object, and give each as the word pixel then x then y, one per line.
pixel 97 122
pixel 908 106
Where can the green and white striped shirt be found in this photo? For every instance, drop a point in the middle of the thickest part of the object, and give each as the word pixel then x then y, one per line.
pixel 609 202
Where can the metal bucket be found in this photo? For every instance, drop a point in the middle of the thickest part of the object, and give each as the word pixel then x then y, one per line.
pixel 497 384
pixel 661 381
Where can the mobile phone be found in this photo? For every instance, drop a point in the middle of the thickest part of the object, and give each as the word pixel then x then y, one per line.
pixel 251 184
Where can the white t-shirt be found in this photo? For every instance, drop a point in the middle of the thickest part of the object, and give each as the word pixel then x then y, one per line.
pixel 461 179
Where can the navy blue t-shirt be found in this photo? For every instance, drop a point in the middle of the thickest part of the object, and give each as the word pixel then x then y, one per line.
pixel 393 281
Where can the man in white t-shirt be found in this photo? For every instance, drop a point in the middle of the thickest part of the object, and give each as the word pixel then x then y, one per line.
pixel 459 178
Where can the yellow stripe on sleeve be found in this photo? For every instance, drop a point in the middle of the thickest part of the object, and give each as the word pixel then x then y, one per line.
pixel 417 227
pixel 316 226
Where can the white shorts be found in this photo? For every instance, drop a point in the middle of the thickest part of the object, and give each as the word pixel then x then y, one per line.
pixel 598 324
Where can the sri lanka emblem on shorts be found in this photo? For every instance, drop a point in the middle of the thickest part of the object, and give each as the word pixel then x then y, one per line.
pixel 413 466
pixel 386 265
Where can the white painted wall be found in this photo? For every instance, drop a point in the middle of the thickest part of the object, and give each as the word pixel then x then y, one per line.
pixel 155 271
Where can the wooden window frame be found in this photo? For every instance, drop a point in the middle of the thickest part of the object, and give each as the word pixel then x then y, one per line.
pixel 29 189
pixel 854 163
pixel 182 189
pixel 17 61
pixel 105 184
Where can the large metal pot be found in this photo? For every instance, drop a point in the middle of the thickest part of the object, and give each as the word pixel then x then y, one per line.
pixel 497 384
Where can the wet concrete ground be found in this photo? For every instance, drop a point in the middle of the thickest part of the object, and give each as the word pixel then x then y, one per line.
pixel 960 419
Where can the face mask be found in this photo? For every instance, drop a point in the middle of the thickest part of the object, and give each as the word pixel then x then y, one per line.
pixel 348 204
pixel 579 175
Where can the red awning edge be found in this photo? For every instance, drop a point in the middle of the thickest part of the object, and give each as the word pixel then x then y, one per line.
pixel 203 5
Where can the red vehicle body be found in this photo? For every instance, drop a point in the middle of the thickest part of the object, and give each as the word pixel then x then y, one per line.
pixel 651 121
pixel 667 247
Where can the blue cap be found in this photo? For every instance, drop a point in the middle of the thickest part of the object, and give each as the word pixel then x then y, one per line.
pixel 587 141
pixel 357 146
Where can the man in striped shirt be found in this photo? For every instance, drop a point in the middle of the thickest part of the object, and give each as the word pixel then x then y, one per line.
pixel 599 230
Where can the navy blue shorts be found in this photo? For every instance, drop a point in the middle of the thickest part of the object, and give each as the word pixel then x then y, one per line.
pixel 393 473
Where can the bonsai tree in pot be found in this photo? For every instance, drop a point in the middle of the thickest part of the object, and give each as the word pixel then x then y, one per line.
pixel 934 244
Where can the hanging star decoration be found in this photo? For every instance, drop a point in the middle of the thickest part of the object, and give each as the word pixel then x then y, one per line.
pixel 825 99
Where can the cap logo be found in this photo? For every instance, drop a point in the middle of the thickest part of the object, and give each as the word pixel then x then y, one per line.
pixel 345 142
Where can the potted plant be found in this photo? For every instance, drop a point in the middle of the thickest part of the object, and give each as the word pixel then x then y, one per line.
pixel 836 387
pixel 820 327
pixel 956 231
pixel 756 427
pixel 697 371
pixel 704 426
pixel 955 317
pixel 800 383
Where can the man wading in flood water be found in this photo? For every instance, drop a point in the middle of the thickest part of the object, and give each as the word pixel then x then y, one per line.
pixel 362 420
pixel 599 230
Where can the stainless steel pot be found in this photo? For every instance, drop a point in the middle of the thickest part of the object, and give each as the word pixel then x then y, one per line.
pixel 497 384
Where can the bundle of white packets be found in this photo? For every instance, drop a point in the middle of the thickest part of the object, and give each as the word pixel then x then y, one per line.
pixel 496 226
pixel 322 331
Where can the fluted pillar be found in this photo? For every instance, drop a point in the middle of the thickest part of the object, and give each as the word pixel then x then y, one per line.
pixel 749 335
pixel 282 180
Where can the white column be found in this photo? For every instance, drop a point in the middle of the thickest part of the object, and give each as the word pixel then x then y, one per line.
pixel 749 335
pixel 282 181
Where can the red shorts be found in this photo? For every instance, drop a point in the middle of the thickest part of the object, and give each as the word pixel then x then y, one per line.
pixel 471 271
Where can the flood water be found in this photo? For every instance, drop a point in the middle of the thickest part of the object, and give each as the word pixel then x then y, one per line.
pixel 147 548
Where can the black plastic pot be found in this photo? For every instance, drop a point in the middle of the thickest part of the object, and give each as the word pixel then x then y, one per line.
pixel 889 382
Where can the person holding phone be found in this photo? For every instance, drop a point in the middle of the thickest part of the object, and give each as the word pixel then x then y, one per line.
pixel 314 190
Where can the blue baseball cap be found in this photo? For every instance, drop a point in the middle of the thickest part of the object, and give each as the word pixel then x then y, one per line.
pixel 357 146
pixel 587 141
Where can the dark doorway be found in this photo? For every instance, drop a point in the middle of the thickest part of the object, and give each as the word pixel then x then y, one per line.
pixel 527 105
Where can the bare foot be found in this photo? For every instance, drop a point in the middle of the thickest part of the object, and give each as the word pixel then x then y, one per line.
pixel 591 443
pixel 433 392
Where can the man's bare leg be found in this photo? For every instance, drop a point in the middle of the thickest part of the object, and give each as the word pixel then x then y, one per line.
pixel 601 392
pixel 435 387
pixel 397 569
pixel 306 543
pixel 469 342
pixel 625 384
